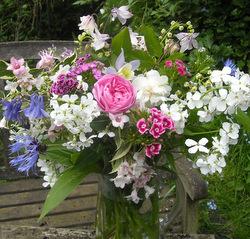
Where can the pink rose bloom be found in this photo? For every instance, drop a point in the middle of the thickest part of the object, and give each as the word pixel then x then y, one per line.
pixel 142 126
pixel 17 66
pixel 157 130
pixel 114 94
pixel 168 64
pixel 152 150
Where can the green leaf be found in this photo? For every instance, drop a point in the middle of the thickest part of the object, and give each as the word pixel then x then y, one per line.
pixel 122 40
pixel 243 119
pixel 58 153
pixel 146 61
pixel 122 151
pixel 70 179
pixel 152 42
pixel 3 69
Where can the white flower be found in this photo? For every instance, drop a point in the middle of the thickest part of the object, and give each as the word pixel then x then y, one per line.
pixel 211 164
pixel 122 13
pixel 148 190
pixel 218 77
pixel 151 88
pixel 138 42
pixel 11 86
pixel 103 133
pixel 81 84
pixel 3 123
pixel 205 115
pixel 230 131
pixel 119 120
pixel 187 40
pixel 178 115
pixel 87 24
pixel 134 197
pixel 99 40
pixel 218 102
pixel 197 146
pixel 194 101
pixel 221 145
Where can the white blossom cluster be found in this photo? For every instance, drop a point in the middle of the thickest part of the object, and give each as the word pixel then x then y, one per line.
pixel 178 113
pixel 227 93
pixel 49 170
pixel 75 114
pixel 138 174
pixel 211 160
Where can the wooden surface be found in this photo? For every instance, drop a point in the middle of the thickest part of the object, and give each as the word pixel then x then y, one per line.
pixel 30 49
pixel 14 232
pixel 21 202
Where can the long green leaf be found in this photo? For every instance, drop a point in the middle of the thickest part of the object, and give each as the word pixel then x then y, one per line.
pixel 122 40
pixel 243 119
pixel 122 151
pixel 152 42
pixel 69 180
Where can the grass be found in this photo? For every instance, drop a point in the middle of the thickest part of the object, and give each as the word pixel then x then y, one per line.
pixel 230 191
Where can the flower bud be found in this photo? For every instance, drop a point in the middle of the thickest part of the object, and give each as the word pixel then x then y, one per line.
pixel 194 88
pixel 169 34
pixel 163 31
pixel 172 23
pixel 186 84
pixel 198 76
pixel 181 28
pixel 188 23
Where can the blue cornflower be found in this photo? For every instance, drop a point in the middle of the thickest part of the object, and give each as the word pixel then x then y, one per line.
pixel 229 63
pixel 27 150
pixel 12 109
pixel 36 108
pixel 212 205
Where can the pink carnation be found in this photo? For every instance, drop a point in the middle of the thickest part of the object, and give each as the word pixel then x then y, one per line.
pixel 142 126
pixel 17 67
pixel 168 64
pixel 167 123
pixel 182 71
pixel 157 130
pixel 152 150
pixel 114 94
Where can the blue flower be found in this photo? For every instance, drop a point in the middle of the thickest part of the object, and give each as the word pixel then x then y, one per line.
pixel 36 108
pixel 212 205
pixel 229 63
pixel 12 109
pixel 27 150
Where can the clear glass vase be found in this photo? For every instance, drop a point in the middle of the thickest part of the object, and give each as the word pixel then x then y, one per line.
pixel 118 218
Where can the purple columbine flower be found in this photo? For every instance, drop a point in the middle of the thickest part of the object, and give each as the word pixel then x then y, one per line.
pixel 229 63
pixel 12 109
pixel 27 150
pixel 36 108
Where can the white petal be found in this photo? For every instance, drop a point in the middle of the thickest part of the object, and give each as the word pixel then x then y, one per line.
pixel 190 142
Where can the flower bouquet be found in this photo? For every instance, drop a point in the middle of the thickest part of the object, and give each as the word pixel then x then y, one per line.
pixel 119 106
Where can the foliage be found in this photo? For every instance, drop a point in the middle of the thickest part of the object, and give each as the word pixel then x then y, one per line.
pixel 224 32
pixel 38 19
pixel 231 195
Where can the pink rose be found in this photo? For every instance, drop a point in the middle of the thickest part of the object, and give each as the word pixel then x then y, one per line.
pixel 114 94
pixel 152 150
